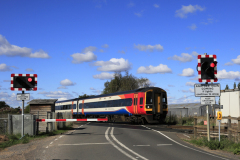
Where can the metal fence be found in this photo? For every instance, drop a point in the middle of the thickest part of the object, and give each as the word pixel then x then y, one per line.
pixel 3 123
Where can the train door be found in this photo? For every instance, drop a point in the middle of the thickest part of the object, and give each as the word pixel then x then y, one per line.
pixel 135 109
pixel 157 99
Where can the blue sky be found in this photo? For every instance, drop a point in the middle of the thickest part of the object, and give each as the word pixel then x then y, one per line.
pixel 75 46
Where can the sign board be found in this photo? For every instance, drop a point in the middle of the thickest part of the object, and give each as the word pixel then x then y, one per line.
pixel 207 100
pixel 219 107
pixel 207 90
pixel 21 96
pixel 219 115
pixel 205 122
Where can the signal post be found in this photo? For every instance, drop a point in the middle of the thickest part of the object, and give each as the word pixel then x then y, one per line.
pixel 23 82
pixel 207 72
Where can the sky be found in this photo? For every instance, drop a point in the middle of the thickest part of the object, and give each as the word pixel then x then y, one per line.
pixel 76 46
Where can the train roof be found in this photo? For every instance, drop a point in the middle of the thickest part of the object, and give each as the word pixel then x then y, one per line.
pixel 116 93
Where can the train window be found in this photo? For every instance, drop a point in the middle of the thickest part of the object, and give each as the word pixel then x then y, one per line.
pixel 80 105
pixel 99 105
pixel 109 103
pixel 136 101
pixel 141 100
pixel 129 101
pixel 149 98
pixel 164 98
pixel 74 106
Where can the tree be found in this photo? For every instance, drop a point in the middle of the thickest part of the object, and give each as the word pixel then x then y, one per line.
pixel 226 87
pixel 85 96
pixel 234 86
pixel 238 85
pixel 27 109
pixel 3 104
pixel 124 83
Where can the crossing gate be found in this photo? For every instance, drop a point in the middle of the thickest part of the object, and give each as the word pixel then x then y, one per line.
pixel 73 120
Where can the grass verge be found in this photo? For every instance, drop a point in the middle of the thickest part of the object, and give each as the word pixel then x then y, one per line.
pixel 214 144
pixel 13 139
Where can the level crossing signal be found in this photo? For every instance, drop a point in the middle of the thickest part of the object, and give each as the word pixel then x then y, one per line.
pixel 21 82
pixel 207 68
pixel 219 115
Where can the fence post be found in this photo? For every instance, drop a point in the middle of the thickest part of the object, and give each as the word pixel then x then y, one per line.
pixel 9 124
pixel 238 129
pixel 229 127
pixel 37 123
pixel 195 127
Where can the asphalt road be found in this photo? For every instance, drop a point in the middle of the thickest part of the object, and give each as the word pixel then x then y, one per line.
pixel 103 141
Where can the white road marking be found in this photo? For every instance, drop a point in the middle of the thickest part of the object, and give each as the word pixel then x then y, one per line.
pixel 125 146
pixel 186 135
pixel 60 137
pixel 187 146
pixel 56 139
pixel 51 142
pixel 106 135
pixel 79 144
pixel 164 144
pixel 142 145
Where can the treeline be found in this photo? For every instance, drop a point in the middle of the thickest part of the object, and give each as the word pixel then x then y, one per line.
pixel 234 86
pixel 5 108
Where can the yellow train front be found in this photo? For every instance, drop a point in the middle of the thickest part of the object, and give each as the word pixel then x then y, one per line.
pixel 140 105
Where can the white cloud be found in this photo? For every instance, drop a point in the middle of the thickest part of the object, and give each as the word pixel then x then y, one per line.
pixel 81 57
pixel 185 57
pixel 188 72
pixel 195 53
pixel 171 85
pixel 223 74
pixel 67 82
pixel 151 48
pixel 12 50
pixel 122 51
pixel 97 91
pixel 191 90
pixel 101 50
pixel 156 6
pixel 89 49
pixel 190 84
pixel 187 48
pixel 192 27
pixel 57 94
pixel 29 70
pixel 139 14
pixel 105 46
pixel 228 64
pixel 4 67
pixel 62 87
pixel 237 60
pixel 182 13
pixel 113 65
pixel 195 78
pixel 103 76
pixel 131 4
pixel 161 68
pixel 91 88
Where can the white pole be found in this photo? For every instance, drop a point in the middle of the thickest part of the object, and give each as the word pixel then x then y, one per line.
pixel 219 128
pixel 22 116
pixel 208 125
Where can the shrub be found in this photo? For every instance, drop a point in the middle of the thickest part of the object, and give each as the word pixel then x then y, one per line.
pixel 236 151
pixel 213 145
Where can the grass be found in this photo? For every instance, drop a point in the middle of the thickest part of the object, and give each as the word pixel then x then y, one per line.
pixel 214 144
pixel 174 120
pixel 14 139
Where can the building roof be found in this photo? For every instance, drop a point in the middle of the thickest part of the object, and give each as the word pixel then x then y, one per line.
pixel 43 101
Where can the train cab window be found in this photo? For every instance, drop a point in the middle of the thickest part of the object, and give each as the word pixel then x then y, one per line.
pixel 149 98
pixel 164 100
pixel 141 100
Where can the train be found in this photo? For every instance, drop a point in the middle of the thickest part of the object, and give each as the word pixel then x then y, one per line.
pixel 143 105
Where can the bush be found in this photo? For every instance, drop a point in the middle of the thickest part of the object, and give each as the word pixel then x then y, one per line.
pixel 236 151
pixel 213 144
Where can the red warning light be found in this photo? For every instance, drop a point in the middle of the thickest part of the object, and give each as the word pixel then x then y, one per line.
pixel 29 79
pixel 212 65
